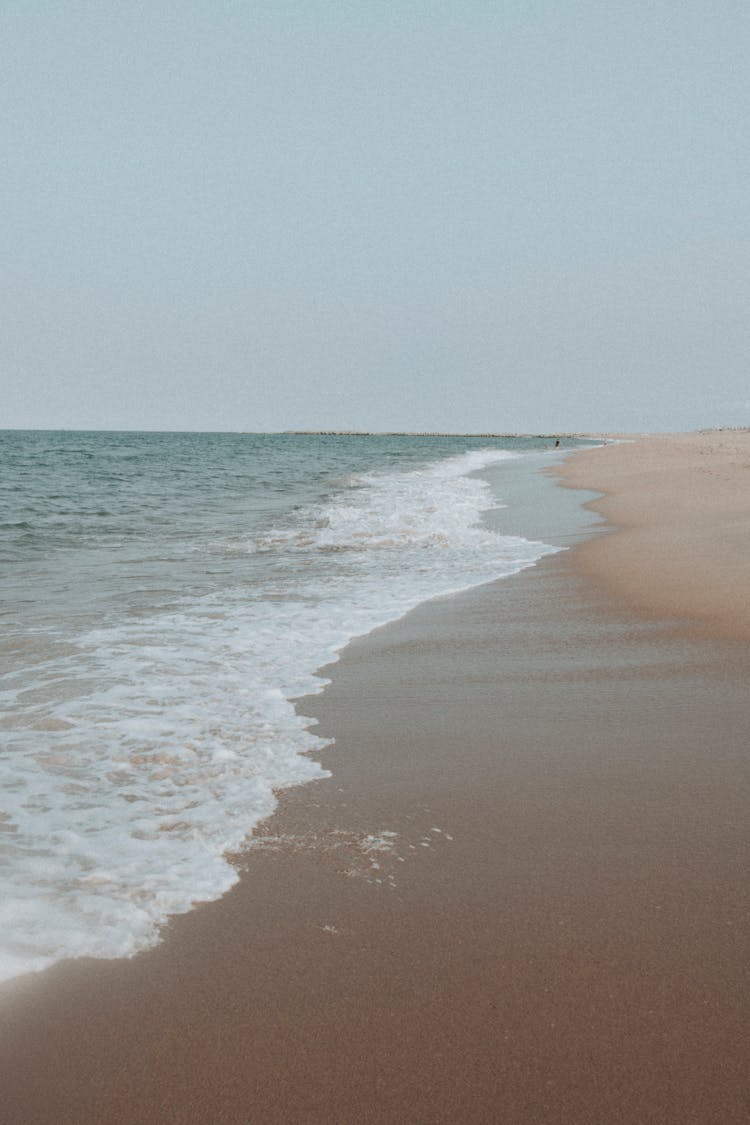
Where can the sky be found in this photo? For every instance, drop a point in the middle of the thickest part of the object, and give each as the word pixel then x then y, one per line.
pixel 470 216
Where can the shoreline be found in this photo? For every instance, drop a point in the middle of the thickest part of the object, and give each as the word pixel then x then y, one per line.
pixel 520 897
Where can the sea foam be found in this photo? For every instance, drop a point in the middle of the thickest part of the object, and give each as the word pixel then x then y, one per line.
pixel 141 752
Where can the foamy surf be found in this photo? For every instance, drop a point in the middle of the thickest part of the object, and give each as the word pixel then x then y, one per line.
pixel 141 751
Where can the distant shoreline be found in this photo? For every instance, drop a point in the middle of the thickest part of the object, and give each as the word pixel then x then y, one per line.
pixel 312 433
pixel 593 435
pixel 424 433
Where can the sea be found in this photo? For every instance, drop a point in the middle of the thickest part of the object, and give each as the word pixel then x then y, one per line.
pixel 165 597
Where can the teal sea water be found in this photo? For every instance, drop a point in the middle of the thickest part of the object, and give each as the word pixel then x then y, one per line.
pixel 163 598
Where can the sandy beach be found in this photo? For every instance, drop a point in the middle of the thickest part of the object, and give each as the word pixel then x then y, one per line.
pixel 681 504
pixel 522 896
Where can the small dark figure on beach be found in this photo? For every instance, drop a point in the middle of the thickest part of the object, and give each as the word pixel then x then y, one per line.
pixel 557 443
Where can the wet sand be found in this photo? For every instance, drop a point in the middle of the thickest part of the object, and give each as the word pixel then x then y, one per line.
pixel 555 931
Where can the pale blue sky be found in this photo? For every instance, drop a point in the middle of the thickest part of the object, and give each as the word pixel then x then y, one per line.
pixel 465 216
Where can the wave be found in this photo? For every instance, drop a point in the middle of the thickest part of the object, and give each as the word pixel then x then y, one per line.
pixel 142 752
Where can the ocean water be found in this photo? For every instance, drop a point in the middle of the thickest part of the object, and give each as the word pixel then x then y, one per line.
pixel 164 597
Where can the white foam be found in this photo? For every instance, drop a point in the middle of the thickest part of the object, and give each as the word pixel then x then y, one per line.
pixel 148 749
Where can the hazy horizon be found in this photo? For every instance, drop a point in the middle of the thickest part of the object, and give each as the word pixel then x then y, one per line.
pixel 432 218
pixel 332 432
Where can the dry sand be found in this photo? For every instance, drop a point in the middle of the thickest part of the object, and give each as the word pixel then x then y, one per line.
pixel 556 931
pixel 681 504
